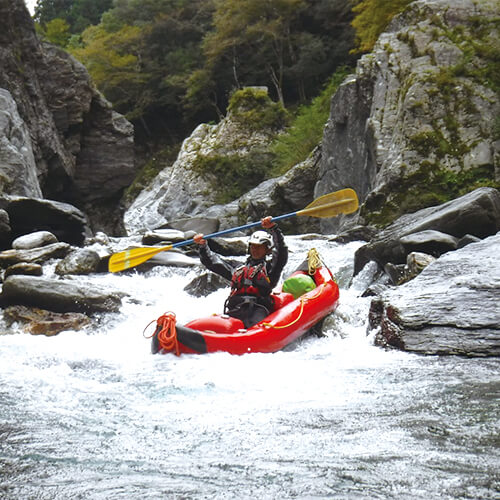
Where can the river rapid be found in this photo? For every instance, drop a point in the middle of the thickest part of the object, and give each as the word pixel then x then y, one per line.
pixel 93 415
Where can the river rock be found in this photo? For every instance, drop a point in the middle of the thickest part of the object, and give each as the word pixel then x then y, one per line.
pixel 476 213
pixel 5 236
pixel 164 236
pixel 42 322
pixel 59 296
pixel 431 242
pixel 205 284
pixel 24 268
pixel 80 261
pixel 28 215
pixel 34 240
pixel 204 225
pixel 34 255
pixel 451 307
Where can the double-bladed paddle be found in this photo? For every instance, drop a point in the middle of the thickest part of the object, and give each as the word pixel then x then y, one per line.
pixel 344 201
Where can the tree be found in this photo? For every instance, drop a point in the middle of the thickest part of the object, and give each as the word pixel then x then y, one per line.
pixel 112 59
pixel 79 14
pixel 57 32
pixel 251 31
pixel 372 17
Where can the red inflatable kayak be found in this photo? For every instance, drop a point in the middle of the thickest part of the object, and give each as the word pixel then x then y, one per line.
pixel 291 319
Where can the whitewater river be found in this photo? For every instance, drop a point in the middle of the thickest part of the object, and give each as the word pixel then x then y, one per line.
pixel 93 415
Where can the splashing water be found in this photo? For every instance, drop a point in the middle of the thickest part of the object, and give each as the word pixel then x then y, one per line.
pixel 95 415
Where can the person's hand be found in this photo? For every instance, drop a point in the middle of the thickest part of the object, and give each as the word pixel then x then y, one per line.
pixel 267 222
pixel 199 240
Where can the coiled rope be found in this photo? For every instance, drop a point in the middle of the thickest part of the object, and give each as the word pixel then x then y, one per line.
pixel 166 333
pixel 313 261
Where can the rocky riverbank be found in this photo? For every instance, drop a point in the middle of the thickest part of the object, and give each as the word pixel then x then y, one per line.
pixel 435 293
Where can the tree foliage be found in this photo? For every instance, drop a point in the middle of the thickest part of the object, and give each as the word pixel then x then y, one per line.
pixel 78 14
pixel 372 17
pixel 169 64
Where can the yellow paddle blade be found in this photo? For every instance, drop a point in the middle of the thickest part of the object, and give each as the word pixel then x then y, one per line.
pixel 133 257
pixel 344 201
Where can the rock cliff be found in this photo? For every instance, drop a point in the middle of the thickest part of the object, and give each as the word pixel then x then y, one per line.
pixel 61 138
pixel 419 118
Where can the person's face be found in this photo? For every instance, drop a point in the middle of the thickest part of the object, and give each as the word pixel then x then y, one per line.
pixel 258 251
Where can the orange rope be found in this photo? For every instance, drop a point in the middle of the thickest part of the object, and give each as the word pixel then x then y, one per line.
pixel 167 336
pixel 302 302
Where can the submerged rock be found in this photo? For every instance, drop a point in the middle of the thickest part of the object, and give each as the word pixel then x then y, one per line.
pixel 42 322
pixel 451 307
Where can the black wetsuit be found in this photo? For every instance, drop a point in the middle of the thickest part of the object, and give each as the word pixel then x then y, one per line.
pixel 251 308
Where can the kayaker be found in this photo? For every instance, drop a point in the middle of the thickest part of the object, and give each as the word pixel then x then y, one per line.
pixel 252 283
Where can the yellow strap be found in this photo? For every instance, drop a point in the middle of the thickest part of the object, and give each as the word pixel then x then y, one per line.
pixel 302 302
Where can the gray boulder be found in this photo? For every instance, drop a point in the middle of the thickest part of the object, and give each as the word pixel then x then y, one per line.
pixel 451 307
pixel 24 268
pixel 34 255
pixel 476 213
pixel 34 240
pixel 27 215
pixel 429 241
pixel 58 295
pixel 80 261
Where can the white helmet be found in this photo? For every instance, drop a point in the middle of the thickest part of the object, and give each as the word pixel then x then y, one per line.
pixel 261 238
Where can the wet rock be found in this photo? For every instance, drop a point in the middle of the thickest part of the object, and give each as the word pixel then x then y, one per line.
pixel 59 295
pixel 80 261
pixel 465 240
pixel 164 236
pixel 357 233
pixel 430 242
pixel 396 272
pixel 25 269
pixel 34 240
pixel 42 322
pixel 4 229
pixel 451 307
pixel 237 247
pixel 416 262
pixel 476 213
pixel 205 284
pixel 28 215
pixel 204 225
pixel 34 255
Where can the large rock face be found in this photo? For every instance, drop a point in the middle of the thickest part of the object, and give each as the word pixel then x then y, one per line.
pixel 82 150
pixel 418 115
pixel 182 190
pixel 450 308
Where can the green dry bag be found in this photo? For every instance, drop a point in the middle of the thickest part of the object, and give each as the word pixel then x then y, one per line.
pixel 299 284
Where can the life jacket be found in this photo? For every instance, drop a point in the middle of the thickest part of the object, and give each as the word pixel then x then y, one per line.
pixel 251 280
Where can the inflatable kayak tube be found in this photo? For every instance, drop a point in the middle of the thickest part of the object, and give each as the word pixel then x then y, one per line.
pixel 291 319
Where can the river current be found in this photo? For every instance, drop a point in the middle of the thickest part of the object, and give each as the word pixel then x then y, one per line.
pixel 93 415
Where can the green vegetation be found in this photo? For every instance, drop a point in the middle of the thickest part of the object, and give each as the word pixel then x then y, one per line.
pixel 430 185
pixel 253 108
pixel 306 130
pixel 372 17
pixel 240 173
